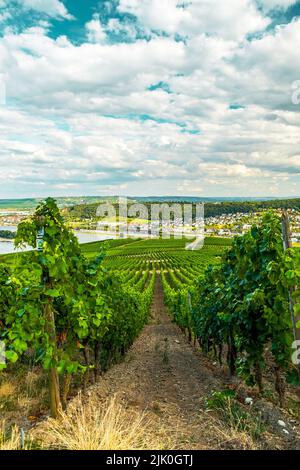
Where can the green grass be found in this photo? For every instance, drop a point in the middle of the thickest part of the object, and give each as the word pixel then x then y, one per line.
pixel 238 417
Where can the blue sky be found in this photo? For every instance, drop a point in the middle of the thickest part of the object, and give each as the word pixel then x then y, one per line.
pixel 148 97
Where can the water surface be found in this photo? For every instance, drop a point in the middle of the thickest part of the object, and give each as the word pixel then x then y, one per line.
pixel 7 246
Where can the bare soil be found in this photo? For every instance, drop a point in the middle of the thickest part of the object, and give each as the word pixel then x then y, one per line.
pixel 170 378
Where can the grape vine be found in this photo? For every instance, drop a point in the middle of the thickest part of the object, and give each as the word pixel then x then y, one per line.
pixel 241 305
pixel 70 312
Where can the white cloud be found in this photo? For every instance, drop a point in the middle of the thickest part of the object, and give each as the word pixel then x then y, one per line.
pixel 116 26
pixel 6 15
pixel 53 8
pixel 156 14
pixel 271 65
pixel 95 30
pixel 232 19
pixel 84 119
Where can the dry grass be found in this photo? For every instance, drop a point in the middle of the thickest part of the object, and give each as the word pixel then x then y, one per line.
pixel 7 389
pixel 235 427
pixel 10 438
pixel 22 394
pixel 91 426
pixel 229 437
pixel 31 382
pixel 232 438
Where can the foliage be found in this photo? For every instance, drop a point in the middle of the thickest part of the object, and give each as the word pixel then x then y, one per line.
pixel 75 309
pixel 6 295
pixel 233 414
pixel 8 234
pixel 242 303
pixel 56 303
pixel 88 211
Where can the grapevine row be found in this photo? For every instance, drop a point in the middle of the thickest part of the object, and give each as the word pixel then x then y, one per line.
pixel 241 305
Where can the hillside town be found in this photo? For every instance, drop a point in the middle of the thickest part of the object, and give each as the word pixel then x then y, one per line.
pixel 231 225
pixel 224 225
pixel 12 218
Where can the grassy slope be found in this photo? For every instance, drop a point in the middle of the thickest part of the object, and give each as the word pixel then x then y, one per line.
pixel 92 249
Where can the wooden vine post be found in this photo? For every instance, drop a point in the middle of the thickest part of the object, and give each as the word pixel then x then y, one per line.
pixel 54 388
pixel 287 244
pixel 189 299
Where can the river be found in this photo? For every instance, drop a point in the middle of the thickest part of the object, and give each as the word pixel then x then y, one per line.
pixel 7 246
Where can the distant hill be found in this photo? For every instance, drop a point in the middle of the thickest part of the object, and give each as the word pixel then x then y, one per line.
pixel 31 203
pixel 191 199
pixel 226 204
pixel 85 212
pixel 18 204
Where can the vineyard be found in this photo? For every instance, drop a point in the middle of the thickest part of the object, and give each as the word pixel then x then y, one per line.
pixel 66 311
pixel 228 297
pixel 169 257
pixel 75 311
pixel 245 305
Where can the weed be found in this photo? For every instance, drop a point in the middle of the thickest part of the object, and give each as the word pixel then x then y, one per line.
pixel 233 414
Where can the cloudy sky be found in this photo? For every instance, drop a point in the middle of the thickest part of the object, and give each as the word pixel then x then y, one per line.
pixel 149 97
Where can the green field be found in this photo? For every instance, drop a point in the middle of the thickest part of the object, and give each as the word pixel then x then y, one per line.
pixel 136 259
pixel 31 203
pixel 132 257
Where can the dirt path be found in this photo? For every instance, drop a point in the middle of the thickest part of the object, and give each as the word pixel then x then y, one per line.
pixel 166 377
pixel 168 380
pixel 163 374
